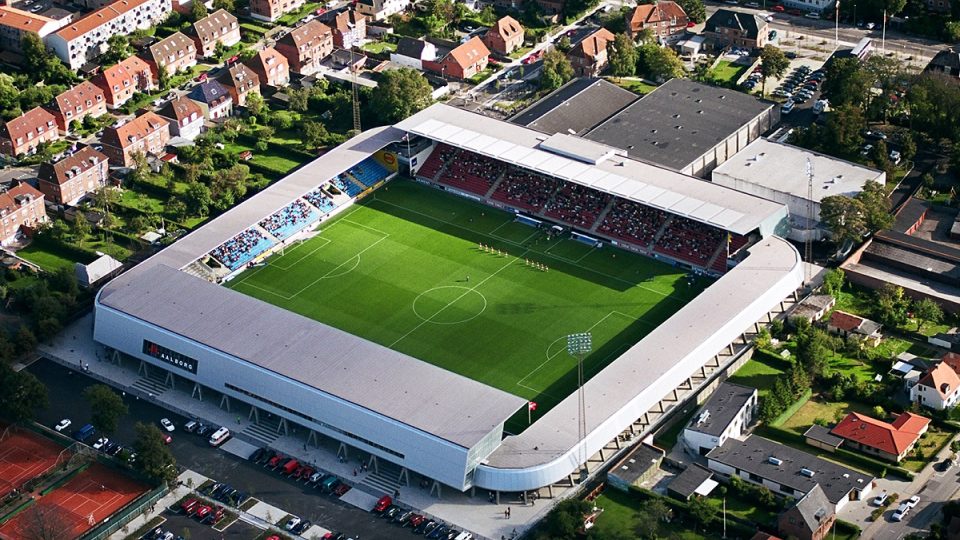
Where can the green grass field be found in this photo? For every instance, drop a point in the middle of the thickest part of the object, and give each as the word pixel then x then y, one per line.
pixel 404 269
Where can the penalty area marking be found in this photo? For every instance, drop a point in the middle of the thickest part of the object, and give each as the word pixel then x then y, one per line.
pixel 467 319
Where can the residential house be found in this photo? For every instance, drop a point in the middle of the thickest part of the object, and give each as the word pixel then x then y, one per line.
pixel 271 10
pixel 728 412
pixel 218 27
pixel 67 181
pixel 84 99
pixel 120 82
pixel 505 36
pixel 214 99
pixel 694 480
pixel 379 10
pixel 85 39
pixel 938 388
pixel 890 441
pixel 949 340
pixel 463 62
pixel 23 134
pixel 787 471
pixel 727 28
pixel 174 53
pixel 946 62
pixel 15 24
pixel 185 117
pixel 413 53
pixel 101 269
pixel 811 6
pixel 344 60
pixel 665 20
pixel 146 134
pixel 306 47
pixel 813 307
pixel 848 325
pixel 21 210
pixel 240 81
pixel 589 55
pixel 349 29
pixel 810 519
pixel 271 67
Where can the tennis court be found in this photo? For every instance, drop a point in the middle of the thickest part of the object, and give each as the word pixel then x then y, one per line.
pixel 24 455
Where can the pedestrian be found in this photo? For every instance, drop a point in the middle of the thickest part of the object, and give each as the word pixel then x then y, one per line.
pixel 304 446
pixel 354 471
pixel 506 515
pixel 396 494
pixel 509 513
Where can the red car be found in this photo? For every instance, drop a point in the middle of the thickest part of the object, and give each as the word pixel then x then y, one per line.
pixel 188 505
pixel 274 461
pixel 416 520
pixel 321 11
pixel 166 438
pixel 383 504
pixel 232 59
pixel 691 24
pixel 341 489
pixel 203 511
pixel 778 9
pixel 290 467
pixel 201 77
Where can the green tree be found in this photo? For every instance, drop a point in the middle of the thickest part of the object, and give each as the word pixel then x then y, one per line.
pixel 842 132
pixel 846 83
pixel 702 512
pixel 891 305
pixel 118 48
pixel 843 217
pixel 875 203
pixel 106 406
pixel 24 340
pixel 833 282
pixel 813 353
pixel 652 514
pixel 299 99
pixel 80 229
pixel 197 10
pixel 21 394
pixel 701 72
pixel 694 9
pixel 926 310
pixel 153 457
pixel 564 520
pixel 197 198
pixel 314 134
pixel 488 16
pixel 908 146
pixel 163 77
pixel 623 56
pixel 659 63
pixel 773 64
pixel 556 70
pixel 219 51
pixel 400 93
pixel 255 104
pixel 228 5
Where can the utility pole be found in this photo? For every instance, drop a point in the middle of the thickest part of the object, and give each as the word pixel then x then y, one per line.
pixel 836 31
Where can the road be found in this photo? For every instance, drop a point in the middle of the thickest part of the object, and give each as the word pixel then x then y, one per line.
pixel 193 452
pixel 938 488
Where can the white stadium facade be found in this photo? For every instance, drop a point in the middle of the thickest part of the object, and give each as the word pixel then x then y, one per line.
pixel 165 315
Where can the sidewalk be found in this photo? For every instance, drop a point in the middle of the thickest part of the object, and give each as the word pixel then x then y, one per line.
pixel 188 479
pixel 75 347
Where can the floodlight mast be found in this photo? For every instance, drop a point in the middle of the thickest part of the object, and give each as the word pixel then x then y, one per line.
pixel 579 346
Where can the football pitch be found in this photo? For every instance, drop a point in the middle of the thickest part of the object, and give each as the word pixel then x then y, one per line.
pixel 404 268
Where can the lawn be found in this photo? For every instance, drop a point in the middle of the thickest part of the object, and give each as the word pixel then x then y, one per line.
pixel 620 513
pixel 404 269
pixel 745 510
pixel 667 438
pixel 634 85
pixel 931 443
pixel 727 71
pixel 378 47
pixel 47 257
pixel 829 411
pixel 269 158
pixel 291 18
pixel 761 371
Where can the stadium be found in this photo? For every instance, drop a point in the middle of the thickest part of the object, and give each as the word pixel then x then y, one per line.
pixel 417 318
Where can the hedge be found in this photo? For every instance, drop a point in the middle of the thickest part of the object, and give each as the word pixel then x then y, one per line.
pixel 792 409
pixel 845 527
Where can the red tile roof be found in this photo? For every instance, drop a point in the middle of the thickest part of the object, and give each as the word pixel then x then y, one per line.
pixel 893 438
pixel 78 95
pixel 470 52
pixel 593 44
pixel 134 130
pixel 30 121
pixel 653 13
pixel 10 199
pixel 125 70
pixel 507 27
pixel 952 360
pixel 22 20
pixel 845 321
pixel 71 166
pixel 98 18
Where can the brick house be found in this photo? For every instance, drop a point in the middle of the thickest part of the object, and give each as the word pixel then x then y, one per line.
pixel 21 207
pixel 16 23
pixel 810 519
pixel 306 47
pixel 185 117
pixel 463 62
pixel 122 81
pixel 214 99
pixel 349 28
pixel 271 10
pixel 665 19
pixel 68 180
pixel 240 81
pixel 589 55
pixel 505 36
pixel 174 53
pixel 891 441
pixel 23 134
pixel 147 134
pixel 729 28
pixel 84 99
pixel 271 66
pixel 218 27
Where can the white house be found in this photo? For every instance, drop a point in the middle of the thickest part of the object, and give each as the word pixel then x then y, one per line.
pixel 728 412
pixel 938 388
pixel 378 10
pixel 412 53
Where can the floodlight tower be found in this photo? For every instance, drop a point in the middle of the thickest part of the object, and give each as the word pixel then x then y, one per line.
pixel 811 228
pixel 579 346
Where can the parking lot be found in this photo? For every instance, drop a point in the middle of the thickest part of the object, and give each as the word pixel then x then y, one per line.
pixel 193 452
pixel 187 527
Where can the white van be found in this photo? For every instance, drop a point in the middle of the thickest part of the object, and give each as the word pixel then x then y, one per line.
pixel 787 107
pixel 464 536
pixel 219 436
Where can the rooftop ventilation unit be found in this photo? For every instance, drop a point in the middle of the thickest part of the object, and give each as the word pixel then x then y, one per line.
pixel 774 461
pixel 807 472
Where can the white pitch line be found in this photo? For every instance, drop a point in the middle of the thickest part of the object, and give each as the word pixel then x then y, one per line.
pixel 455 300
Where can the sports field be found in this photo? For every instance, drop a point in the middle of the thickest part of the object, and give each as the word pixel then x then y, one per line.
pixel 404 268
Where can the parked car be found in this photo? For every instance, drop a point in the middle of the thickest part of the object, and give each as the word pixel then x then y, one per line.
pixel 166 438
pixel 292 522
pixel 787 107
pixel 382 504
pixel 875 135
pixel 912 502
pixel 63 424
pixel 301 527
pixel 203 510
pixel 865 151
pixel 881 498
pixel 101 442
pixel 895 157
pixel 415 520
pixel 778 9
pixel 167 425
pixel 191 426
pixel 900 512
pixel 341 489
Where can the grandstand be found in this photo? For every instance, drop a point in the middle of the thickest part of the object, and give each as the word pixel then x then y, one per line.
pixel 358 390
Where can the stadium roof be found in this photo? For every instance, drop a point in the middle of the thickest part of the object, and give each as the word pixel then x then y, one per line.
pixel 457 409
pixel 783 167
pixel 576 106
pixel 706 115
pixel 633 180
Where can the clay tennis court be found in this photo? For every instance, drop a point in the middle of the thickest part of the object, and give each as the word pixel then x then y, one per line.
pixel 24 455
pixel 97 491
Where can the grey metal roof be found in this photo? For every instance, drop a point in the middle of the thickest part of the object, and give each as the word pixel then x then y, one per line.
pixel 687 482
pixel 576 106
pixel 753 456
pixel 640 460
pixel 822 434
pixel 335 362
pixel 722 407
pixel 707 115
pixel 630 179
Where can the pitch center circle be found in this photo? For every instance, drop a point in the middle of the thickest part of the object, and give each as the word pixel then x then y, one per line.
pixel 449 304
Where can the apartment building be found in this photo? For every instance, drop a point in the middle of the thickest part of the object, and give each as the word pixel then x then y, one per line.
pixel 23 134
pixel 306 47
pixel 122 81
pixel 84 99
pixel 218 27
pixel 67 181
pixel 146 134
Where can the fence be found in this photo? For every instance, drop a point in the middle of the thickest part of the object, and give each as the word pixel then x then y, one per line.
pixel 126 514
